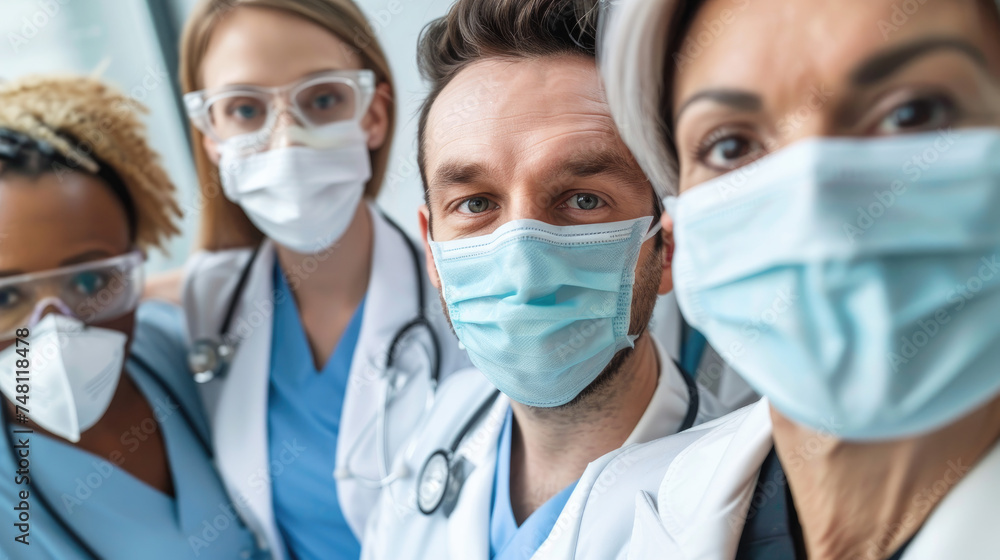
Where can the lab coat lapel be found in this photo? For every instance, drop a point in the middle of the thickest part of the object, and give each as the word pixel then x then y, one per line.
pixel 706 491
pixel 469 524
pixel 240 422
pixel 389 305
pixel 964 524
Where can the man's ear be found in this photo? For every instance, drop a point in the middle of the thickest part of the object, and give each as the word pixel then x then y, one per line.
pixel 376 122
pixel 212 149
pixel 667 276
pixel 425 219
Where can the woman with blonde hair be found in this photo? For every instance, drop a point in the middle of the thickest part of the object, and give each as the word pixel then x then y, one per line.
pixel 104 438
pixel 311 326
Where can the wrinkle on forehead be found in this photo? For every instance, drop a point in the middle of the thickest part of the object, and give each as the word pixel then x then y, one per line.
pixel 515 106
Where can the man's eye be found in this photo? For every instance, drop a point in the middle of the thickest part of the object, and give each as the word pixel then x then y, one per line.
pixel 88 283
pixel 585 201
pixel 918 115
pixel 9 297
pixel 730 152
pixel 475 205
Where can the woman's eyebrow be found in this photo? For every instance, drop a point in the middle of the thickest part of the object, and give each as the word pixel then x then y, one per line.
pixel 740 100
pixel 888 62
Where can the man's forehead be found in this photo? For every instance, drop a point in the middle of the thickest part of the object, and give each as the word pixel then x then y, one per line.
pixel 549 86
pixel 498 106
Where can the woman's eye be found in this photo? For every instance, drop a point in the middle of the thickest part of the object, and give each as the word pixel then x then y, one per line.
pixel 475 205
pixel 730 152
pixel 246 112
pixel 9 297
pixel 324 102
pixel 918 115
pixel 585 201
pixel 88 283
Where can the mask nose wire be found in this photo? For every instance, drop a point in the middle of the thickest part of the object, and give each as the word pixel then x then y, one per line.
pixel 45 303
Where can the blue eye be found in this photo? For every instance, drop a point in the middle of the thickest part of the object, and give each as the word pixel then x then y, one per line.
pixel 88 283
pixel 585 201
pixel 326 101
pixel 247 112
pixel 9 297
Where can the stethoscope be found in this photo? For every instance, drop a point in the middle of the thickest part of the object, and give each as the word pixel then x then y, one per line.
pixel 210 359
pixel 443 474
pixel 47 505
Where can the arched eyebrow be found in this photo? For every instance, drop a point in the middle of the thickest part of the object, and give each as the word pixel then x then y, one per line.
pixel 886 63
pixel 739 100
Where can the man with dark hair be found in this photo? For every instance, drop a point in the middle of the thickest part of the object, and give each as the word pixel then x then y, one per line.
pixel 540 234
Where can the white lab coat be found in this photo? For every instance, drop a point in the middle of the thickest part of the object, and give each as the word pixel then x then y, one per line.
pixel 729 389
pixel 702 484
pixel 399 531
pixel 237 404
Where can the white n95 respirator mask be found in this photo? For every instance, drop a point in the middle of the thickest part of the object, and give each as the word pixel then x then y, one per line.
pixel 302 196
pixel 73 373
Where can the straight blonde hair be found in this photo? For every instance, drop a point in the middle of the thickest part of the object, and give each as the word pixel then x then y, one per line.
pixel 224 225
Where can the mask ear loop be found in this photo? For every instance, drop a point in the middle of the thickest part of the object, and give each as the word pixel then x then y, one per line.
pixel 656 225
pixel 60 305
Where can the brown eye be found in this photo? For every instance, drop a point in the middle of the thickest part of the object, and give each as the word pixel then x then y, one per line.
pixel 730 152
pixel 918 115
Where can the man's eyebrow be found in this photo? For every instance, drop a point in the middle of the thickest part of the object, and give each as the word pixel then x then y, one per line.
pixel 457 173
pixel 888 62
pixel 602 162
pixel 740 100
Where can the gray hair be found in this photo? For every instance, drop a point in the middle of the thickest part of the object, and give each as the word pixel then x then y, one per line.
pixel 636 41
pixel 633 54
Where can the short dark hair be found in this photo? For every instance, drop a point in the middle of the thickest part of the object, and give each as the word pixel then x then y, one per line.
pixel 475 30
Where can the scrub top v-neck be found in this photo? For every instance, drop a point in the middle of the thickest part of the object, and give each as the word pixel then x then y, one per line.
pixel 121 517
pixel 507 540
pixel 303 417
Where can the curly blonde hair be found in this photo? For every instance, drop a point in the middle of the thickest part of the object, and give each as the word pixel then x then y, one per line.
pixel 90 123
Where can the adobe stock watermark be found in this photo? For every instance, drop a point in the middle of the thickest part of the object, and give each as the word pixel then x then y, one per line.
pixel 913 170
pixel 696 43
pixel 927 329
pixel 901 14
pixel 33 24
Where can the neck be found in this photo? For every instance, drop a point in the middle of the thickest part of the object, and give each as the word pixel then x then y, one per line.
pixel 339 272
pixel 329 286
pixel 835 483
pixel 551 448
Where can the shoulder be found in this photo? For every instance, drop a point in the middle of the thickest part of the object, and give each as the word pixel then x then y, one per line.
pixel 159 332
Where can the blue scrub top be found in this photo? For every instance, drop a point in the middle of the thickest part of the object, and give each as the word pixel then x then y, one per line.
pixel 303 415
pixel 507 540
pixel 117 515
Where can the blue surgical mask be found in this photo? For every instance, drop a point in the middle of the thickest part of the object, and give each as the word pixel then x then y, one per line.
pixel 542 309
pixel 855 283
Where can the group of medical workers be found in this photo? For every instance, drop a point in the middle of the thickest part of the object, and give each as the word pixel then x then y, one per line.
pixel 696 279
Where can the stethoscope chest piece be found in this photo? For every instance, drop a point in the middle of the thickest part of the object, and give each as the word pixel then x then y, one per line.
pixel 433 483
pixel 209 359
pixel 440 483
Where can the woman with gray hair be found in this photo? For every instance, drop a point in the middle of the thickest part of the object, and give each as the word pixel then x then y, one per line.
pixel 832 179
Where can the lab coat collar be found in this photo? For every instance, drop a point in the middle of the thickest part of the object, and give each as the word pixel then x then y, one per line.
pixel 240 419
pixel 469 524
pixel 669 405
pixel 706 491
pixel 389 305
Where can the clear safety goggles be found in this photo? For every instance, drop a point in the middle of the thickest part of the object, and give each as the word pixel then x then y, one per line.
pixel 322 99
pixel 92 292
